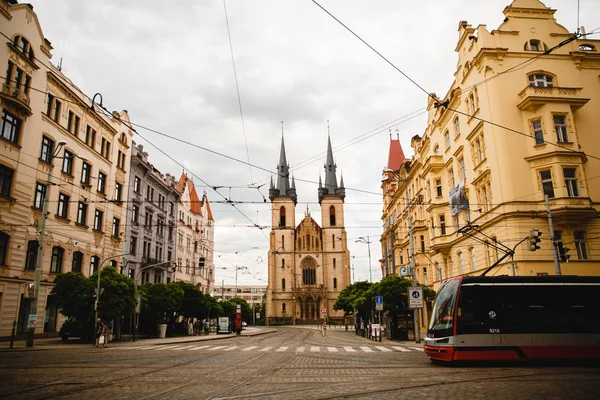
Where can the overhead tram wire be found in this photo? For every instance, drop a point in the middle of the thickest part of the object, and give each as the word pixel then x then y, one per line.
pixel 445 104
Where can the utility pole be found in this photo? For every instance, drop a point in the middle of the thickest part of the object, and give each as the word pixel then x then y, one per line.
pixel 367 241
pixel 554 250
pixel 414 272
pixel 32 320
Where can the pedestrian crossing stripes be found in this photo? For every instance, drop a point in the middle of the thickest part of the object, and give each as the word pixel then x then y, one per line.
pixel 277 349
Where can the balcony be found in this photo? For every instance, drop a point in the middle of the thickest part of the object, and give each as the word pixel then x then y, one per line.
pixel 531 98
pixel 433 163
pixel 17 97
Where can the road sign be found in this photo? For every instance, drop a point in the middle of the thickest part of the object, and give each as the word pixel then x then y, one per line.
pixel 238 309
pixel 379 303
pixel 415 297
pixel 324 310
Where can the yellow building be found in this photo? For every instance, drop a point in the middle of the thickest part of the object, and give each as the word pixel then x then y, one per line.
pixel 53 145
pixel 308 263
pixel 519 122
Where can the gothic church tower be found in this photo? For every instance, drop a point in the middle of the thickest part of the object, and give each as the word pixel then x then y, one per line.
pixel 307 263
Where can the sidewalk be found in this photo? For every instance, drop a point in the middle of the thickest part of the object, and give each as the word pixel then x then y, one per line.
pixel 59 344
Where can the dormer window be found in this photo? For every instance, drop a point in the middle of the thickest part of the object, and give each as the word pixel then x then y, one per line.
pixel 587 47
pixel 23 46
pixel 535 45
pixel 541 80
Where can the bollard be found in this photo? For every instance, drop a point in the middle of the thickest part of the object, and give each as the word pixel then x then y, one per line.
pixel 12 334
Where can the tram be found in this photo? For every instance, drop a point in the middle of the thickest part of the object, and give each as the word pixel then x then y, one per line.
pixel 509 318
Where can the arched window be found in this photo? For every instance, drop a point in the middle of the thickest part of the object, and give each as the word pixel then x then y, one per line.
pixel 460 263
pixel 332 216
pixel 4 238
pixel 334 263
pixel 282 216
pixel 283 308
pixel 456 127
pixel 309 271
pixel 282 242
pixel 472 252
pixel 95 263
pixel 57 259
pixel 541 80
pixel 282 263
pixel 23 46
pixel 436 150
pixel 77 261
pixel 283 284
pixel 439 270
pixel 447 139
pixel 535 45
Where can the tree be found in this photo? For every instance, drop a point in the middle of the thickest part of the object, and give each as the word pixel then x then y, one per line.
pixel 352 298
pixel 117 297
pixel 246 311
pixel 192 302
pixel 73 294
pixel 163 301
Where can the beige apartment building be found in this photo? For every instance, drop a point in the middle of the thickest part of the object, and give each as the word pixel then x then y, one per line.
pixel 253 294
pixel 54 145
pixel 518 123
pixel 195 238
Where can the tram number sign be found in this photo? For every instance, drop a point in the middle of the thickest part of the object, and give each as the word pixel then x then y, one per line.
pixel 415 297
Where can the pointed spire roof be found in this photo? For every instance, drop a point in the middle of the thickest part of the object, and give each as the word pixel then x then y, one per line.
pixel 283 188
pixel 396 155
pixel 330 167
pixel 186 183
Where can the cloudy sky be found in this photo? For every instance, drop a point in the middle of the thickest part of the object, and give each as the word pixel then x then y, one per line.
pixel 170 64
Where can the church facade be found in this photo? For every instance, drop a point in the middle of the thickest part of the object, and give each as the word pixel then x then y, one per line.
pixel 308 262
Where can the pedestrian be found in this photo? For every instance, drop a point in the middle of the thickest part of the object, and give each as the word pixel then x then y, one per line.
pixel 105 333
pixel 99 331
pixel 206 327
pixel 190 327
pixel 324 328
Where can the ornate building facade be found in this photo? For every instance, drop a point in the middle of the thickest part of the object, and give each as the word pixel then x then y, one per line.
pixel 517 125
pixel 308 263
pixel 59 152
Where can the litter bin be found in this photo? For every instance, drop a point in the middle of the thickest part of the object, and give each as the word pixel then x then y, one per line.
pixel 162 330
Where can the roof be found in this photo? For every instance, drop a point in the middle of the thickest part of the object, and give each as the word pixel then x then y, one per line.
pixel 195 203
pixel 396 155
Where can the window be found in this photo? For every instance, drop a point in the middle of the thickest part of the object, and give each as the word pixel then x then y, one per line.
pixel 73 123
pixel 472 103
pixel 571 182
pixel 94 263
pixel 98 216
pixel 442 224
pixel 82 213
pixel 135 214
pixel 53 109
pixel 136 184
pixel 31 257
pixel 447 139
pixel 581 245
pixel 309 276
pixel 77 261
pixel 4 238
pixel 118 191
pixel 283 308
pixel 451 179
pixel 456 127
pixel 541 80
pixel 587 47
pixel 283 284
pixel 101 182
pixel 472 252
pixel 560 126
pixel 86 173
pixel 63 205
pixel 23 47
pixel 438 187
pixel 436 150
pixel 90 136
pixel 121 160
pixel 133 246
pixel 115 227
pixel 460 263
pixel 67 166
pixel 422 239
pixel 105 148
pixel 6 175
pixel 548 188
pixel 335 283
pixel 57 259
pixel 40 194
pixel 11 127
pixel 463 171
pixel 332 216
pixel 47 149
pixel 535 45
pixel 479 156
pixel 282 216
pixel 538 133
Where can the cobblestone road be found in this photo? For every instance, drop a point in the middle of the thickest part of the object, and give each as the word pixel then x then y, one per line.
pixel 291 363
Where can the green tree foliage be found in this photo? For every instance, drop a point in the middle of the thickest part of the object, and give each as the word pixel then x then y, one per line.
pixel 163 301
pixel 228 308
pixel 73 294
pixel 192 302
pixel 352 297
pixel 118 294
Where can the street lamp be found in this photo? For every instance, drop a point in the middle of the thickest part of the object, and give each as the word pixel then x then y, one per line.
pixel 32 321
pixel 368 243
pixel 137 302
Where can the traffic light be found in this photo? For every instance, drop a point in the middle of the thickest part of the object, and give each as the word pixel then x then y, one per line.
pixel 562 252
pixel 534 239
pixel 201 262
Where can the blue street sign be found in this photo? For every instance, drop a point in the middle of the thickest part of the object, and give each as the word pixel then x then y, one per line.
pixel 416 294
pixel 378 299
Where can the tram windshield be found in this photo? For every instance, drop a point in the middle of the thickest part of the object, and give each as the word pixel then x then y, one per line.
pixel 442 316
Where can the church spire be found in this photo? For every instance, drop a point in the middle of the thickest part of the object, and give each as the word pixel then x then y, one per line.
pixel 283 188
pixel 331 187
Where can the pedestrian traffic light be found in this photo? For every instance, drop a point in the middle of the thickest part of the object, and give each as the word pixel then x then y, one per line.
pixel 534 239
pixel 201 262
pixel 562 252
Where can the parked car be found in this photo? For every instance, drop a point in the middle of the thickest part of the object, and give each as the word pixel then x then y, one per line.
pixel 74 327
pixel 244 325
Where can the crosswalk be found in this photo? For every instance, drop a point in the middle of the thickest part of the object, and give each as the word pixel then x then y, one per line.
pixel 276 349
